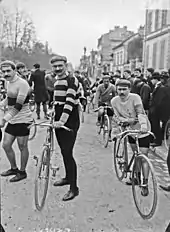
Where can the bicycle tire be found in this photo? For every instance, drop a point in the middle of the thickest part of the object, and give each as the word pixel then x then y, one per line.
pixel 122 161
pixel 34 129
pixel 46 162
pixel 151 212
pixel 167 135
pixel 106 130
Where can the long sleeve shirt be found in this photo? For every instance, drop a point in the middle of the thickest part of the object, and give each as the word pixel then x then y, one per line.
pixel 17 102
pixel 132 110
pixel 104 95
pixel 66 92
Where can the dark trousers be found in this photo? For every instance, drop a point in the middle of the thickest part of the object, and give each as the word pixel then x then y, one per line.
pixel 38 107
pixel 168 161
pixel 156 128
pixel 168 228
pixel 51 94
pixel 2 229
pixel 66 141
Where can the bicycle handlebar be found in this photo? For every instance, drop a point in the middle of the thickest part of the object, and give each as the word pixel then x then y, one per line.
pixel 129 132
pixel 108 107
pixel 44 124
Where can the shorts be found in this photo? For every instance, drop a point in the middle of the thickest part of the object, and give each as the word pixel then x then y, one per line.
pixel 18 129
pixel 110 111
pixel 143 142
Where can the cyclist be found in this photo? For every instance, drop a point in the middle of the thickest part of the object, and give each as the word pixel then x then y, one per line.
pixel 128 108
pixel 18 118
pixel 104 93
pixel 66 96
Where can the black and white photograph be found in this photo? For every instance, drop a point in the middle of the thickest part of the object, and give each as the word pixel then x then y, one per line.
pixel 85 116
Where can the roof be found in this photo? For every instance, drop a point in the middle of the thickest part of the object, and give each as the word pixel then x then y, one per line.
pixel 121 44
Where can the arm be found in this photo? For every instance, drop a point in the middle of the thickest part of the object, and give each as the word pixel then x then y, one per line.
pixel 70 100
pixel 97 95
pixel 142 118
pixel 31 79
pixel 22 94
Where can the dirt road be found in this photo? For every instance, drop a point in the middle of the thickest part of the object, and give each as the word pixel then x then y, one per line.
pixel 104 204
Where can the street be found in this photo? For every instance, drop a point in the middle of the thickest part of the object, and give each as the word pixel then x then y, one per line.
pixel 104 203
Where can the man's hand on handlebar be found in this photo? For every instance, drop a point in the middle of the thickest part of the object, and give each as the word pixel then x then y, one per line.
pixel 58 124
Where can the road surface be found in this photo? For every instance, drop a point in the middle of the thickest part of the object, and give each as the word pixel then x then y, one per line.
pixel 104 204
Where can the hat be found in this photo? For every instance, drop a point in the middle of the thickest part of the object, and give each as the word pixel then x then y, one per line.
pixel 123 82
pixel 105 77
pixel 36 65
pixel 58 58
pixel 164 75
pixel 156 75
pixel 20 65
pixel 8 63
pixel 151 70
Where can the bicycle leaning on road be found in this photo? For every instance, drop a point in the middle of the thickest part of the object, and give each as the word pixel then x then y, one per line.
pixel 122 168
pixel 104 124
pixel 43 162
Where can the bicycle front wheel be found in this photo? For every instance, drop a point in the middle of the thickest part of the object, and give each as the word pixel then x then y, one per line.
pixel 144 191
pixel 106 130
pixel 120 151
pixel 33 131
pixel 167 135
pixel 42 178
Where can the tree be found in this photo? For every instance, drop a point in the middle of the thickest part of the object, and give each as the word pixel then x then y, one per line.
pixel 17 29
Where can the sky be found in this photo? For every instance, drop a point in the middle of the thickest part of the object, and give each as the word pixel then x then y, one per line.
pixel 71 25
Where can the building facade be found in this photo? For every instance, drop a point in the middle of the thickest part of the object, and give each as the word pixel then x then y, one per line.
pixel 157 40
pixel 107 42
pixel 128 54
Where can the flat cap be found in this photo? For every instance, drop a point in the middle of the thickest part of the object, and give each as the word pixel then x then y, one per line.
pixel 8 63
pixel 58 58
pixel 123 82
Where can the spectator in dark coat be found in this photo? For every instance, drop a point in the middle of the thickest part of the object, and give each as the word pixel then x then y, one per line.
pixel 40 90
pixel 141 88
pixel 149 73
pixel 158 108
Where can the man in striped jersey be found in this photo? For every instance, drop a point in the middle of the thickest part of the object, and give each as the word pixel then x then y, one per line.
pixel 66 96
pixel 18 118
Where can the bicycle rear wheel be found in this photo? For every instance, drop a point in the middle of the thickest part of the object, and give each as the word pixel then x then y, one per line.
pixel 42 178
pixel 106 130
pixel 145 203
pixel 33 131
pixel 167 135
pixel 120 157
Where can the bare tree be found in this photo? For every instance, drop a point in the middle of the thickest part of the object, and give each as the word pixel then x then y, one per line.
pixel 17 30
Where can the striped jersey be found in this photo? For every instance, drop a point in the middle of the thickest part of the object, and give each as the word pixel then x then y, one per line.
pixel 17 101
pixel 66 92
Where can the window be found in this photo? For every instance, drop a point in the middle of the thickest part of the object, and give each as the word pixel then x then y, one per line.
pixel 147 56
pixel 162 54
pixel 118 58
pixel 156 19
pixel 164 18
pixel 149 22
pixel 154 55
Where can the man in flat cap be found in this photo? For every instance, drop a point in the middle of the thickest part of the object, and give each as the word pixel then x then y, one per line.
pixel 128 108
pixel 66 96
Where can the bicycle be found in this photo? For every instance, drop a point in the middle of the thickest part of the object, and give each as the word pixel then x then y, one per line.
pixel 104 124
pixel 43 163
pixel 90 101
pixel 33 129
pixel 122 168
pixel 167 135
